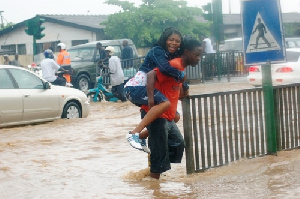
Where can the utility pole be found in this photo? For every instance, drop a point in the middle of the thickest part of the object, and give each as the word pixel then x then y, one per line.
pixel 2 25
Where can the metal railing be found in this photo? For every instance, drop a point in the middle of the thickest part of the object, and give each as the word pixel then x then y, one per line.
pixel 129 66
pixel 230 64
pixel 223 127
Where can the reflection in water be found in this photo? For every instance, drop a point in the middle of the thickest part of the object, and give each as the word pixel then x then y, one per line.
pixel 90 158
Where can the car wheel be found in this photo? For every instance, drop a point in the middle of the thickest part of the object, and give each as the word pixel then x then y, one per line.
pixel 92 95
pixel 83 82
pixel 71 110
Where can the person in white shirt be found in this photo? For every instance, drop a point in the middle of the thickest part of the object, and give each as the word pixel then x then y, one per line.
pixel 207 45
pixel 49 68
pixel 208 67
pixel 116 74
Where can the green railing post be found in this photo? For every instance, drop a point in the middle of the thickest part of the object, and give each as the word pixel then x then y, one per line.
pixel 219 65
pixel 269 109
pixel 188 136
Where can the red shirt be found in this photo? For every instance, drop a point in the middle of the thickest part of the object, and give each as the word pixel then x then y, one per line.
pixel 170 88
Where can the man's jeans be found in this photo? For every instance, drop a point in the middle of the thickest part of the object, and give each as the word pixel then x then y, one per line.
pixel 166 144
pixel 118 91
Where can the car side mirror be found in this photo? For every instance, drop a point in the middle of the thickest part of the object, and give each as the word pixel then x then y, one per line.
pixel 47 85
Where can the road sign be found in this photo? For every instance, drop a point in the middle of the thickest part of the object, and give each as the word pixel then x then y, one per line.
pixel 263 40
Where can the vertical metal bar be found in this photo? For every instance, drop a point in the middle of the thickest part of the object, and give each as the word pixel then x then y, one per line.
pixel 207 133
pixel 286 119
pixel 256 130
pixel 213 131
pixel 187 129
pixel 298 111
pixel 224 128
pixel 201 129
pixel 219 130
pixel 281 108
pixel 195 130
pixel 228 106
pixel 240 118
pixel 277 115
pixel 290 108
pixel 246 123
pixel 261 122
pixel 295 121
pixel 235 126
pixel 250 102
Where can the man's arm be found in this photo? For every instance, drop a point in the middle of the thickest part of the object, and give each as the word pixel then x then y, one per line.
pixel 160 61
pixel 151 79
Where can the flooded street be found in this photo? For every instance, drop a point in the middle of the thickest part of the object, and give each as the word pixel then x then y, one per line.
pixel 90 158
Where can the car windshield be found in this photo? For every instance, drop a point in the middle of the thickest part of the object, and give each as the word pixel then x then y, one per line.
pixel 81 54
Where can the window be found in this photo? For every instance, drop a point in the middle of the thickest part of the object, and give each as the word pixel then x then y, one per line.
pixel 77 42
pixel 21 49
pixel 80 54
pixel 26 80
pixel 9 47
pixel 5 81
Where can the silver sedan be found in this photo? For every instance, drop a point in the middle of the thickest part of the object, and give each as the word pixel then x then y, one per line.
pixel 26 98
pixel 283 73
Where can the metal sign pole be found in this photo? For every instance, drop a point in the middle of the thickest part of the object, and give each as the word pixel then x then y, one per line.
pixel 269 108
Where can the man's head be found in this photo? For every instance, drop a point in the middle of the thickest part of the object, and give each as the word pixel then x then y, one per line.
pixel 16 56
pixel 125 43
pixel 109 50
pixel 98 45
pixel 202 37
pixel 61 46
pixel 48 54
pixel 5 57
pixel 192 52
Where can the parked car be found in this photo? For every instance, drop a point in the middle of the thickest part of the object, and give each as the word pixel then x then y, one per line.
pixel 237 43
pixel 283 73
pixel 26 98
pixel 84 65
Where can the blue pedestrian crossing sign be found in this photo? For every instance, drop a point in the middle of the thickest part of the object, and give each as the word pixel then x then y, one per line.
pixel 263 40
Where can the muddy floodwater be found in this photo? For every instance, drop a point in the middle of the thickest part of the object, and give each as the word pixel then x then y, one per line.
pixel 90 158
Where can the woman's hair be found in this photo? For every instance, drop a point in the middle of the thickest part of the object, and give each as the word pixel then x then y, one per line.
pixel 165 35
pixel 190 43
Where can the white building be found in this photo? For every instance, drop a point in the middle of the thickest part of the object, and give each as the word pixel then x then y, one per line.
pixel 69 29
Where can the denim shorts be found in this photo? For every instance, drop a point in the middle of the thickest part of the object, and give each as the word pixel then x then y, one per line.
pixel 138 95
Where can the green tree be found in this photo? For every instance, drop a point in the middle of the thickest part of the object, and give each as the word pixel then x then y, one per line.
pixel 6 26
pixel 291 29
pixel 145 23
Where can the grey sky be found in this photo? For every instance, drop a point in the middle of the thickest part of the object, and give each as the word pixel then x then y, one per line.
pixel 19 10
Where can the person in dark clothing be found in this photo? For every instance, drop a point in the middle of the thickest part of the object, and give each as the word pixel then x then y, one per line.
pixel 102 55
pixel 127 54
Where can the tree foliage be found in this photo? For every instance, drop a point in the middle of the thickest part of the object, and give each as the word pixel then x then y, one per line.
pixel 291 29
pixel 145 23
pixel 6 26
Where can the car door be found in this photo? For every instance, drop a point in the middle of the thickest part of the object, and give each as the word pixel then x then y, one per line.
pixel 11 102
pixel 38 103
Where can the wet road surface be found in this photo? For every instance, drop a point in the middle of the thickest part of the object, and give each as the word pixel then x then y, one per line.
pixel 90 158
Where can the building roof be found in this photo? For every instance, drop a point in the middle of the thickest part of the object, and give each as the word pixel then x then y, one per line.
pixel 87 22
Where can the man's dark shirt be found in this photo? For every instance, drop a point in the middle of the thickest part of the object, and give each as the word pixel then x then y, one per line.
pixel 102 54
pixel 127 53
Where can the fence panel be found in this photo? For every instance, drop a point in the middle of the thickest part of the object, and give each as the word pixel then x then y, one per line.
pixel 227 126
